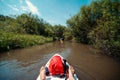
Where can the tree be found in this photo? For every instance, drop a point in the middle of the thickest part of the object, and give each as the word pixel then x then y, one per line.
pixel 81 24
pixel 106 35
pixel 59 31
pixel 98 24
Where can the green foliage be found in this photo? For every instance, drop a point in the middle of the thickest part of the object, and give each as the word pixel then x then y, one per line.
pixel 68 34
pixel 10 40
pixel 31 24
pixel 81 24
pixel 27 30
pixel 24 23
pixel 59 31
pixel 99 24
pixel 49 30
pixel 106 34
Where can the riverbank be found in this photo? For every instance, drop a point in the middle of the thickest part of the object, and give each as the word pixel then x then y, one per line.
pixel 9 40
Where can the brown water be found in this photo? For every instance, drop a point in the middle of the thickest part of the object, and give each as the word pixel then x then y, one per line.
pixel 89 63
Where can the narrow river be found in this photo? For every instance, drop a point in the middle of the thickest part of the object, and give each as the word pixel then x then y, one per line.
pixel 89 63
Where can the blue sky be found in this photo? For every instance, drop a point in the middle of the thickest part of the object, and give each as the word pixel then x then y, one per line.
pixel 52 11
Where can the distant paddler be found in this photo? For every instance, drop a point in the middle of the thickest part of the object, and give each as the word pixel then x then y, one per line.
pixel 61 40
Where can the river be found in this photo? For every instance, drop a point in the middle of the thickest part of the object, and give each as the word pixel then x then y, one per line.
pixel 89 63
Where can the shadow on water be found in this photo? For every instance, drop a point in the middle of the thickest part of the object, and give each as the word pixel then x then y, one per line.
pixel 89 63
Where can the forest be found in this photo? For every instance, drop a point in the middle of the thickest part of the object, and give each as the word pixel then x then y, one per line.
pixel 97 24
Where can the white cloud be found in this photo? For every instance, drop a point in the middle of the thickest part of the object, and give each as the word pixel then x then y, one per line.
pixel 24 8
pixel 13 7
pixel 32 8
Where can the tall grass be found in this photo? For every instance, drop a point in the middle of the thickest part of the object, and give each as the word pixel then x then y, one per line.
pixel 11 40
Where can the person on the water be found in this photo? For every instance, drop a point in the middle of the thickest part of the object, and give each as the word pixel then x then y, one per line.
pixel 57 67
pixel 43 73
pixel 61 40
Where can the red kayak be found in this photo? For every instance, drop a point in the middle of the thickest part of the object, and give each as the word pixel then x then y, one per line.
pixel 57 69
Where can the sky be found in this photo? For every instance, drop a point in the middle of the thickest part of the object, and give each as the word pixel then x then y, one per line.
pixel 52 11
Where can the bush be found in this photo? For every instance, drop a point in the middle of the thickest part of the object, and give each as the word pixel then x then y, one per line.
pixel 10 40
